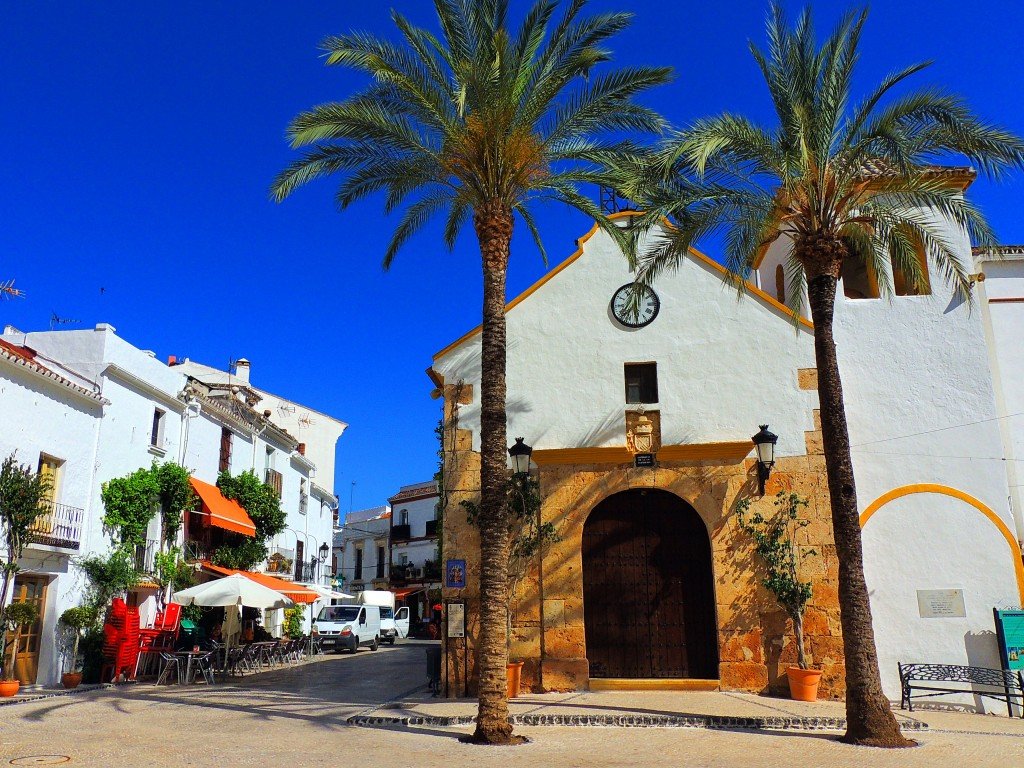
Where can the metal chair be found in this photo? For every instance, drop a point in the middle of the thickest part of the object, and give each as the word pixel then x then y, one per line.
pixel 204 664
pixel 171 662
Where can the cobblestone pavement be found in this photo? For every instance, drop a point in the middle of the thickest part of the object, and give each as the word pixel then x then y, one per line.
pixel 297 717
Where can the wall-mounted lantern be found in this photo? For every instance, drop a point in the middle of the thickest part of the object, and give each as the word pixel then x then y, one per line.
pixel 324 552
pixel 764 443
pixel 520 453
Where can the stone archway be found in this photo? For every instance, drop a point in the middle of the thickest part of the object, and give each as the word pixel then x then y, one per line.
pixel 648 589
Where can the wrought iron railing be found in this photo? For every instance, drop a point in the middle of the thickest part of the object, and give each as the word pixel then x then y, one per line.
pixel 58 525
pixel 194 551
pixel 144 556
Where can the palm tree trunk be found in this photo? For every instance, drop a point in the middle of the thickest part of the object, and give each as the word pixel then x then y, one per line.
pixel 869 719
pixel 493 223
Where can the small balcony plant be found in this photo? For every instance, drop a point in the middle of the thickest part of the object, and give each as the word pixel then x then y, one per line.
pixel 77 620
pixel 774 546
pixel 14 617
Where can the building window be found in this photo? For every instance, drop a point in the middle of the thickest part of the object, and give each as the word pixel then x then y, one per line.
pixel 224 465
pixel 300 557
pixel 906 283
pixel 358 573
pixel 303 496
pixel 404 558
pixel 156 435
pixel 858 280
pixel 381 557
pixel 403 517
pixel 641 382
pixel 780 284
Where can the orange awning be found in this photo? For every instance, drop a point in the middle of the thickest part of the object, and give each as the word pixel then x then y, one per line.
pixel 401 594
pixel 223 512
pixel 295 592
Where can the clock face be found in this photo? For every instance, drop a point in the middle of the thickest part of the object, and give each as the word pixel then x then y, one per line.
pixel 646 308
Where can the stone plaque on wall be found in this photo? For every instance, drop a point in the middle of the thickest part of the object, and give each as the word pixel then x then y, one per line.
pixel 941 603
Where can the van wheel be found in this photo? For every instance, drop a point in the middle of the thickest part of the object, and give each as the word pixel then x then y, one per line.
pixel 374 645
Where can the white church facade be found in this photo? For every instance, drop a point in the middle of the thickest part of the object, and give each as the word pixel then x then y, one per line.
pixel 928 421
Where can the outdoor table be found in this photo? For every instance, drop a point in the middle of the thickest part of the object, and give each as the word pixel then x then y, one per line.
pixel 189 656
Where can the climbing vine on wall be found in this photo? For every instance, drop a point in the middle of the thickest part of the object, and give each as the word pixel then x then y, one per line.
pixel 176 497
pixel 130 503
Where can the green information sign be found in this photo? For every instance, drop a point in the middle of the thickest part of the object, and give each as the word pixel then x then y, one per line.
pixel 1010 633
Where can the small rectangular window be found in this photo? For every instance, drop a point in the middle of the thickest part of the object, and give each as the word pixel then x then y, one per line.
pixel 641 382
pixel 156 435
pixel 380 562
pixel 224 465
pixel 906 283
pixel 359 565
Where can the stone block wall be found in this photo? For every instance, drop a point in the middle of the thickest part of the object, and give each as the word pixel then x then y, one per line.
pixel 755 639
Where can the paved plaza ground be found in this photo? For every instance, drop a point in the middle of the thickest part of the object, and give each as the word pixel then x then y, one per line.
pixel 299 716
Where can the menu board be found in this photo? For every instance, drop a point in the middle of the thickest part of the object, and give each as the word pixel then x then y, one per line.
pixel 456 619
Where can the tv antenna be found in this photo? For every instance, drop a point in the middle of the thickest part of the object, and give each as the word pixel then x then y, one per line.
pixel 305 420
pixel 56 320
pixel 8 291
pixel 233 365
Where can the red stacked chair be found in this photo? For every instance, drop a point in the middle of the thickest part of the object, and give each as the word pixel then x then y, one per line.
pixel 120 641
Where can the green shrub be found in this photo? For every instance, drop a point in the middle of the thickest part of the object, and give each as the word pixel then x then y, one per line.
pixel 293 620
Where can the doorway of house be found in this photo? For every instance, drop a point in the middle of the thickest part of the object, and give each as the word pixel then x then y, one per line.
pixel 29 589
pixel 648 590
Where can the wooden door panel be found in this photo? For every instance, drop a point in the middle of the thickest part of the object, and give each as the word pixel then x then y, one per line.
pixel 648 592
pixel 29 589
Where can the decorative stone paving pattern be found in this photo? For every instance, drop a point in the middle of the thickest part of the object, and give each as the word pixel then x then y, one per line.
pixel 633 721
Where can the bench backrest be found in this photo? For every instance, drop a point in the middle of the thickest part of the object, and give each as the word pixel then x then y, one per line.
pixel 955 673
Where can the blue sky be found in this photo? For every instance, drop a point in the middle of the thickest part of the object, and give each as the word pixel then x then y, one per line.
pixel 139 139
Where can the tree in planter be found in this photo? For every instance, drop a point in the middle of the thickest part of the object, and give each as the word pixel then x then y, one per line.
pixel 774 545
pixel 22 494
pixel 479 123
pixel 78 620
pixel 852 186
pixel 108 577
pixel 13 618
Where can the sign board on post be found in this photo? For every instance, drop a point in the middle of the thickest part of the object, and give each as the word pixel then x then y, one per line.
pixel 1010 635
pixel 455 574
pixel 456 619
pixel 941 603
pixel 643 460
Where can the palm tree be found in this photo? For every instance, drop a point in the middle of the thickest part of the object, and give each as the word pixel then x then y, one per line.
pixel 847 184
pixel 481 122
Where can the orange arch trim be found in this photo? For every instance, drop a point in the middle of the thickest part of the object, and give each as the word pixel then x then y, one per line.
pixel 945 490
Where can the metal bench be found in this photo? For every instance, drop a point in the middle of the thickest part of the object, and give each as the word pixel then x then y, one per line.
pixel 939 679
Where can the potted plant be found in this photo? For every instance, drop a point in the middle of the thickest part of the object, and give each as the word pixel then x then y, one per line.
pixel 527 535
pixel 14 617
pixel 774 545
pixel 293 621
pixel 78 620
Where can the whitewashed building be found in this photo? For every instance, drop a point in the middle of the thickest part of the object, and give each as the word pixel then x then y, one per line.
pixel 361 550
pixel 86 406
pixel 415 569
pixel 932 424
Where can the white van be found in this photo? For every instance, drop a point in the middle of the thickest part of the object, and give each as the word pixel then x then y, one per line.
pixel 346 627
pixel 393 624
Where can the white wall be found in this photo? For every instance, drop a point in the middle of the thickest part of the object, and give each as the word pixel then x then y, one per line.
pixel 724 365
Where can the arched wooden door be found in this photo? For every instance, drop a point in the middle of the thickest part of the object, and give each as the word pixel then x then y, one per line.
pixel 648 591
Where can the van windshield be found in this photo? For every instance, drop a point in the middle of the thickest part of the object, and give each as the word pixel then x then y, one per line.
pixel 338 613
pixel 387 613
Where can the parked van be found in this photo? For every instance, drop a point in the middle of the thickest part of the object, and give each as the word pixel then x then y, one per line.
pixel 346 627
pixel 393 624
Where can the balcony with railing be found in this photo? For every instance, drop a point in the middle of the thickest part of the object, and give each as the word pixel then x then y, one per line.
pixel 58 525
pixel 145 555
pixel 279 561
pixel 400 532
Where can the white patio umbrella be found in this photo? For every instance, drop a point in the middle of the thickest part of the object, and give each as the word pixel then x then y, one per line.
pixel 231 590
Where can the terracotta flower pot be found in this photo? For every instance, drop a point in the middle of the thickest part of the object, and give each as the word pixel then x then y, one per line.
pixel 514 672
pixel 9 688
pixel 71 679
pixel 803 683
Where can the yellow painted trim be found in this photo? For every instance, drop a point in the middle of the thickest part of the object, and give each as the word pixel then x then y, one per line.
pixel 945 490
pixel 734 450
pixel 753 289
pixel 652 684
